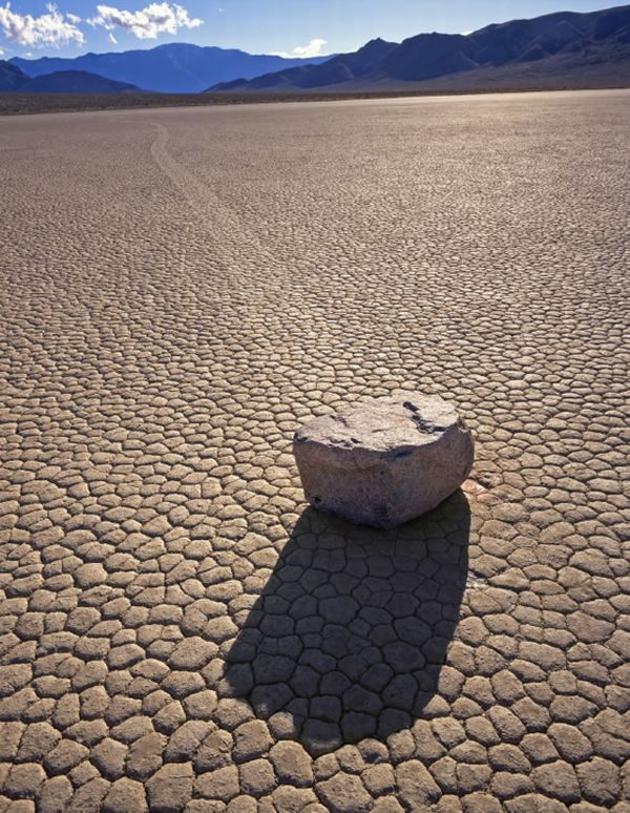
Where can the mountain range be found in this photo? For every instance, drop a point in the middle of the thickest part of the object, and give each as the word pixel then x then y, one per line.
pixel 565 49
pixel 13 79
pixel 172 68
pixel 554 45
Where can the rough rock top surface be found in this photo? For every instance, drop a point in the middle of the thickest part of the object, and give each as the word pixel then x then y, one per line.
pixel 383 424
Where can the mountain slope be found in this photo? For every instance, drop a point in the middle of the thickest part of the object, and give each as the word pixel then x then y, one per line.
pixel 563 42
pixel 75 82
pixel 341 68
pixel 11 77
pixel 171 68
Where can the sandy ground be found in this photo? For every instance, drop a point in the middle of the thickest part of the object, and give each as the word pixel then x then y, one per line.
pixel 182 288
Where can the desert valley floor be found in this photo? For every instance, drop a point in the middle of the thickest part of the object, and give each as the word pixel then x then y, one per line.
pixel 180 290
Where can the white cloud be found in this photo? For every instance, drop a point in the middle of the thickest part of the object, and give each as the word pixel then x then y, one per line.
pixel 149 22
pixel 73 18
pixel 112 38
pixel 313 48
pixel 52 29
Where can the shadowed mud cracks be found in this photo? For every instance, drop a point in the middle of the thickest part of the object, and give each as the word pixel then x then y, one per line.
pixel 349 635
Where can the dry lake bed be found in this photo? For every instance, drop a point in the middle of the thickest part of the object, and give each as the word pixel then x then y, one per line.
pixel 180 290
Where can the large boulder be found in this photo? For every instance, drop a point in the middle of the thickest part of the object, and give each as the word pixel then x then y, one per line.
pixel 384 461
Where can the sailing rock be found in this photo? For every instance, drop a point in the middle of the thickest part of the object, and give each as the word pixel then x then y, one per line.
pixel 384 461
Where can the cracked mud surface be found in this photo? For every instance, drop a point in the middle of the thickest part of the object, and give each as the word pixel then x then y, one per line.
pixel 180 290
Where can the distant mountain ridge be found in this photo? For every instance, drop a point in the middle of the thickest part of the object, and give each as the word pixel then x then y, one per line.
pixel 567 40
pixel 170 68
pixel 12 79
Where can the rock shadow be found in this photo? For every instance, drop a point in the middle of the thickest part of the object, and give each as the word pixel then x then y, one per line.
pixel 348 637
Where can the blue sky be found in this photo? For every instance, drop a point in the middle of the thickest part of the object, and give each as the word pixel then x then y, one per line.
pixel 301 27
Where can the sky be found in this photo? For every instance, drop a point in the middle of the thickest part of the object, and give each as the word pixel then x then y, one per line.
pixel 35 28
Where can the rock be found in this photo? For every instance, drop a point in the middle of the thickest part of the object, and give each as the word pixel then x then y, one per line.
pixel 384 461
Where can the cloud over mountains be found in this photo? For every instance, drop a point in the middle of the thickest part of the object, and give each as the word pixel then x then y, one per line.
pixel 314 47
pixel 149 22
pixel 52 28
pixel 55 28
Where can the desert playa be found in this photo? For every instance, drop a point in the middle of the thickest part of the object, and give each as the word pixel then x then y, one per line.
pixel 180 290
